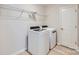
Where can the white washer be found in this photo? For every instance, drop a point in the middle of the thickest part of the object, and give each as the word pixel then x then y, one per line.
pixel 52 37
pixel 38 43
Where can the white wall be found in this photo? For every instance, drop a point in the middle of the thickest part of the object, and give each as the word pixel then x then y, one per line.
pixel 52 15
pixel 13 28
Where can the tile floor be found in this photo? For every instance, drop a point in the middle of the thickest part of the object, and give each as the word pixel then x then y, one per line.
pixel 58 50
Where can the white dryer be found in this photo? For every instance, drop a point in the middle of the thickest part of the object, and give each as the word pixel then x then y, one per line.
pixel 38 43
pixel 52 36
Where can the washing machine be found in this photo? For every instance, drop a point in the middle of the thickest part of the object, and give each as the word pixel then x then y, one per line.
pixel 52 36
pixel 38 43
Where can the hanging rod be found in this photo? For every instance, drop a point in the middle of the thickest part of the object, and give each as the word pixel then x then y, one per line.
pixel 21 10
pixel 16 9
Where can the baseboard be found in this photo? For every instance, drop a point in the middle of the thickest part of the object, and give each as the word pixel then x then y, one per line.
pixel 18 52
pixel 68 47
pixel 77 50
pixel 58 43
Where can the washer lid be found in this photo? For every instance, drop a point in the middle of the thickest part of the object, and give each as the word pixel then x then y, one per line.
pixel 51 29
